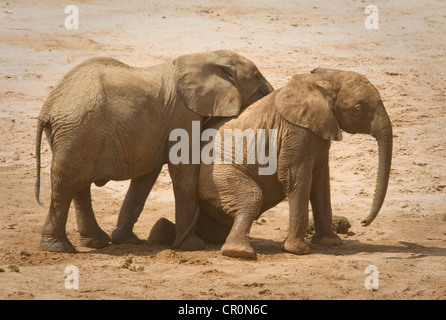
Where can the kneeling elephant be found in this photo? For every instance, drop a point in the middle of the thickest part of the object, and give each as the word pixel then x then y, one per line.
pixel 305 115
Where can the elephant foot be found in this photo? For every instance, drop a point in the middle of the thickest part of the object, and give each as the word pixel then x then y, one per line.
pixel 192 243
pixel 331 239
pixel 57 244
pixel 120 235
pixel 295 246
pixel 238 249
pixel 163 232
pixel 99 240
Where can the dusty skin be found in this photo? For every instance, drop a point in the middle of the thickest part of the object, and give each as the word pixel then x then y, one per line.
pixel 404 59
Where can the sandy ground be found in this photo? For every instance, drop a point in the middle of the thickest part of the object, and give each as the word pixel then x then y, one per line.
pixel 404 58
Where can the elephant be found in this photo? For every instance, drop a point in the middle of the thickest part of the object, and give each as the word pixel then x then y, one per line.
pixel 307 114
pixel 107 120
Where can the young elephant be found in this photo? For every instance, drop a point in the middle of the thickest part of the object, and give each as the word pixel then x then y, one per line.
pixel 110 121
pixel 308 112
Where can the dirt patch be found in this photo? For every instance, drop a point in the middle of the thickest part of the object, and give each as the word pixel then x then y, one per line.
pixel 404 58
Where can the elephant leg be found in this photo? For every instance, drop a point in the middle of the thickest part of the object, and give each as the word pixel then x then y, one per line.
pixel 237 243
pixel 298 205
pixel 185 188
pixel 54 237
pixel 248 207
pixel 132 207
pixel 321 205
pixel 91 235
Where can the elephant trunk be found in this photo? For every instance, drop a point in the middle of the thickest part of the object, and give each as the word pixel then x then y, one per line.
pixel 381 129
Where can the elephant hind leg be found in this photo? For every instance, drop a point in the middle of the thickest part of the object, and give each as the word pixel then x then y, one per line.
pixel 54 237
pixel 91 235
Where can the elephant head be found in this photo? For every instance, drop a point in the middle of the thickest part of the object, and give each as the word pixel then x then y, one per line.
pixel 219 83
pixel 327 101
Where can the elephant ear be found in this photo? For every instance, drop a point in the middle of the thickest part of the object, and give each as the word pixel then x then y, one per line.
pixel 205 82
pixel 307 101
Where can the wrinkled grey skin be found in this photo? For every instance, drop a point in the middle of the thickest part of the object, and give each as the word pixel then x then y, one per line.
pixel 307 113
pixel 110 121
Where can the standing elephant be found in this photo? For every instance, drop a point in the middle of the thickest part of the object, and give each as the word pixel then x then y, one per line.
pixel 307 113
pixel 110 121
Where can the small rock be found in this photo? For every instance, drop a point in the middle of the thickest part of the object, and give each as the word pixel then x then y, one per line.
pixel 341 224
pixel 264 291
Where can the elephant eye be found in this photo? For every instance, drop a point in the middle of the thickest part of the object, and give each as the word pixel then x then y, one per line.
pixel 358 108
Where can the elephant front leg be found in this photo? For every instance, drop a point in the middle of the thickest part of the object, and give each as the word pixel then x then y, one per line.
pixel 298 220
pixel 321 205
pixel 91 235
pixel 247 205
pixel 237 243
pixel 132 207
pixel 185 188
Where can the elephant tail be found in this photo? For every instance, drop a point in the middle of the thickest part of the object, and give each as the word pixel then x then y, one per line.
pixel 40 127
pixel 189 229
